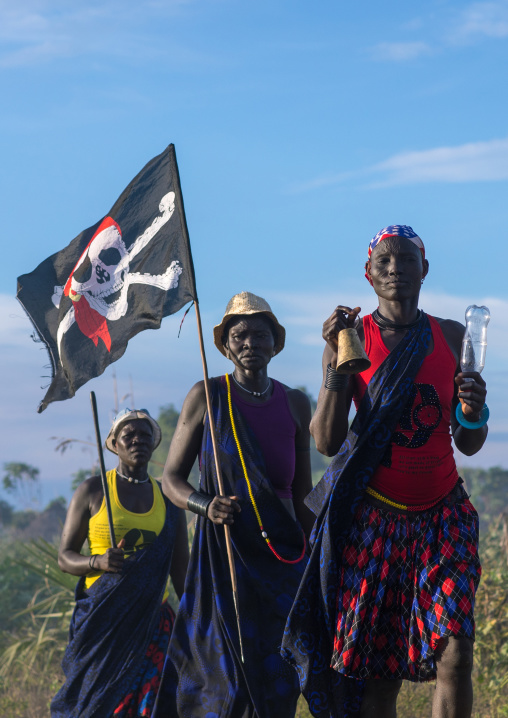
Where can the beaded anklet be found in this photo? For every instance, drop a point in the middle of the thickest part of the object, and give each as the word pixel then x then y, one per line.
pixel 249 487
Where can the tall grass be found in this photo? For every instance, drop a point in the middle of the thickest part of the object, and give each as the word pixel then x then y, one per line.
pixel 32 646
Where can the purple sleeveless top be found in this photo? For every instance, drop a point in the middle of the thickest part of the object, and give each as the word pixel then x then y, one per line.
pixel 273 426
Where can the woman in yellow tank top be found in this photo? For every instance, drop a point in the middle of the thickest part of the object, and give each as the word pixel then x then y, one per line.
pixel 122 622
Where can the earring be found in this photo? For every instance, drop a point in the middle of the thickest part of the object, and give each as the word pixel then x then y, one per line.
pixel 423 279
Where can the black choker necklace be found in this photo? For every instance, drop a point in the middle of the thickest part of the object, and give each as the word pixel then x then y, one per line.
pixel 254 393
pixel 384 323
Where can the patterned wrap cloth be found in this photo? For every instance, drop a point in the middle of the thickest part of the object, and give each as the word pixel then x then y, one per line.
pixel 118 629
pixel 203 673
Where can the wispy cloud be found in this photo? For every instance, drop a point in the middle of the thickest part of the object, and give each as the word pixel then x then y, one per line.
pixel 470 25
pixel 36 31
pixel 480 20
pixel 471 162
pixel 401 51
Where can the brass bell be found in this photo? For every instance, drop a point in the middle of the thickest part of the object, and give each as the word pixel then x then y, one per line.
pixel 351 356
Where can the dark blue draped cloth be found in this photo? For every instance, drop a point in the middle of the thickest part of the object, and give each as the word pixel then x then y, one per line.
pixel 204 675
pixel 111 628
pixel 310 629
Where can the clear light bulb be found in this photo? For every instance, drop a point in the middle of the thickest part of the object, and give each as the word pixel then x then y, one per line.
pixel 474 344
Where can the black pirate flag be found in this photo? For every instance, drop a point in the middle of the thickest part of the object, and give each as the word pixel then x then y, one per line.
pixel 113 280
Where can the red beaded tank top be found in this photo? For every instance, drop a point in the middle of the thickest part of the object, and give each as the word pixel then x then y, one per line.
pixel 418 467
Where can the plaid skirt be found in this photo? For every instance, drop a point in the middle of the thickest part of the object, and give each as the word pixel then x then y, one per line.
pixel 406 581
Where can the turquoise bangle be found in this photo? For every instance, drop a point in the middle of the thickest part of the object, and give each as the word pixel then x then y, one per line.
pixel 484 417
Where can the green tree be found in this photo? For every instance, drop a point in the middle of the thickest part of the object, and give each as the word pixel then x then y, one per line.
pixel 489 492
pixel 6 512
pixel 81 475
pixel 22 480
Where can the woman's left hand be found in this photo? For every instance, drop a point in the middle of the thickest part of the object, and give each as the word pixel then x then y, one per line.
pixel 472 393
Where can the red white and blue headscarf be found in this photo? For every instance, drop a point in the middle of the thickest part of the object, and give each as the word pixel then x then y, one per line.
pixel 395 230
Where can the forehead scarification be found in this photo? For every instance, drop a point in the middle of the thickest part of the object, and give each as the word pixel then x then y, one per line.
pixel 395 245
pixel 251 321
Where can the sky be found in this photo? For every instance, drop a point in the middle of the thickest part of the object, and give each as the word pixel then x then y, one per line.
pixel 300 128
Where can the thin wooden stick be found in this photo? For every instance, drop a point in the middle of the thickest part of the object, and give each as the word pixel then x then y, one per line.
pixel 103 469
pixel 227 532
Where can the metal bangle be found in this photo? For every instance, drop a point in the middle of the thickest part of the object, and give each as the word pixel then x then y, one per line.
pixel 199 502
pixel 335 381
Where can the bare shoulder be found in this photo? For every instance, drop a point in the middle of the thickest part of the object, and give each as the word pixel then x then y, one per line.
pixel 89 487
pixel 453 332
pixel 195 401
pixel 297 396
pixel 88 495
pixel 299 404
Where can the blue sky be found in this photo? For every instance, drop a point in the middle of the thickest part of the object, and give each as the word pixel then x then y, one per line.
pixel 300 129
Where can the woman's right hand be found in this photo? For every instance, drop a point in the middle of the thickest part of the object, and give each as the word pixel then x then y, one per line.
pixel 342 318
pixel 111 561
pixel 222 509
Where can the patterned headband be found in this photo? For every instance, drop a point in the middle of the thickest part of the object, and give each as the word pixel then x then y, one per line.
pixel 397 230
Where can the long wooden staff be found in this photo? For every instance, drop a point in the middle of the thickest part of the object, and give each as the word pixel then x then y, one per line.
pixel 227 532
pixel 103 469
pixel 229 547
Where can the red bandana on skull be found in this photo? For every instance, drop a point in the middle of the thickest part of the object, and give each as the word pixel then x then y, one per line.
pixel 89 273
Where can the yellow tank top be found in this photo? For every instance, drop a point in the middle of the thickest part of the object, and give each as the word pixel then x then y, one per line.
pixel 138 530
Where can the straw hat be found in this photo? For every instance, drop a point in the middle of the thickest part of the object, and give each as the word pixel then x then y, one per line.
pixel 247 303
pixel 131 415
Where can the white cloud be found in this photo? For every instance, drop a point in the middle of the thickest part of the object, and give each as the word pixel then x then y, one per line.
pixel 37 31
pixel 472 24
pixel 471 162
pixel 480 20
pixel 401 51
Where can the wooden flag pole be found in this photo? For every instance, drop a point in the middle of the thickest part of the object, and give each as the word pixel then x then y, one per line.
pixel 220 482
pixel 103 469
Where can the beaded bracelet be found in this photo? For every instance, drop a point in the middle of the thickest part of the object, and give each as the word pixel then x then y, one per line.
pixel 484 417
pixel 199 502
pixel 335 381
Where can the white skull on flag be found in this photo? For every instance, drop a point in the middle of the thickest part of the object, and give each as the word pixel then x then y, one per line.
pixel 99 283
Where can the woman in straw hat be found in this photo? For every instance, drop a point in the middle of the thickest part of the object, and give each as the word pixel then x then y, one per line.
pixel 390 587
pixel 263 442
pixel 122 621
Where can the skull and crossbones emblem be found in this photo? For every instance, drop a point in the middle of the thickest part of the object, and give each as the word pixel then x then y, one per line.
pixel 99 283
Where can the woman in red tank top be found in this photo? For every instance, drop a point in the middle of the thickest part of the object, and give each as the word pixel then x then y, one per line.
pixel 409 567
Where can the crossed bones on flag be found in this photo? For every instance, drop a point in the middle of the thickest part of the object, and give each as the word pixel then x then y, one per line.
pixel 99 283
